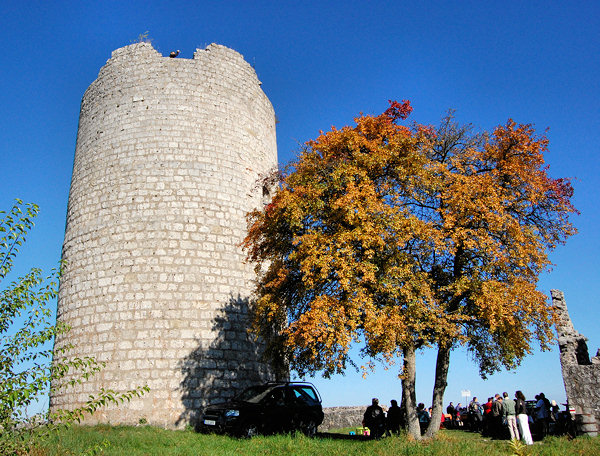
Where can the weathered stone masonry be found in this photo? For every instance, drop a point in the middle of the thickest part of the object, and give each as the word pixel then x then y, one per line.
pixel 580 374
pixel 167 157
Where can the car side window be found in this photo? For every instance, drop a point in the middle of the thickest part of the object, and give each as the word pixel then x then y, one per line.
pixel 310 393
pixel 297 396
pixel 305 395
pixel 275 398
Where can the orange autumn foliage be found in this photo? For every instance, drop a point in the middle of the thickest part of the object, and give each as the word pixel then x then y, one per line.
pixel 388 236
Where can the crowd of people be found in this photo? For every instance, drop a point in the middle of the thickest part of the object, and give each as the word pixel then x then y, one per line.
pixel 501 417
pixel 504 417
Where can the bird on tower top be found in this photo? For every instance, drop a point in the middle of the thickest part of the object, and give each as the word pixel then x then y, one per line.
pixel 174 54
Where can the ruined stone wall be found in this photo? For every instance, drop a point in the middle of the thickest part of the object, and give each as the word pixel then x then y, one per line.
pixel 342 417
pixel 167 157
pixel 580 374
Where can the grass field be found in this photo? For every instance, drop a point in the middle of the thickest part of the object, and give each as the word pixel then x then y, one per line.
pixel 147 440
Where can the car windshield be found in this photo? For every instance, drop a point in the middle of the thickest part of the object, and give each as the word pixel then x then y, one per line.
pixel 254 394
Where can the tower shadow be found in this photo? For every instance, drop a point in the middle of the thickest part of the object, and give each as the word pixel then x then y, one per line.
pixel 223 365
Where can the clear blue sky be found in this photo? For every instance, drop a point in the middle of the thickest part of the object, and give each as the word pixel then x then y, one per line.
pixel 321 63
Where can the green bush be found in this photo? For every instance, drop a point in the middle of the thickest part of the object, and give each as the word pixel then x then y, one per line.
pixel 26 335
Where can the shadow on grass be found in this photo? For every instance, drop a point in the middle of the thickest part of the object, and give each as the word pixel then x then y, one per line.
pixel 338 436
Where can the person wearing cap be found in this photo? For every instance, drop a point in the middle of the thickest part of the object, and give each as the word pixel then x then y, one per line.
pixel 374 419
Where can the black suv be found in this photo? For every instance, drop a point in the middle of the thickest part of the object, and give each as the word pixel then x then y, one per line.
pixel 264 409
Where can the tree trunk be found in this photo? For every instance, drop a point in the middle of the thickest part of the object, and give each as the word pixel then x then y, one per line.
pixel 409 397
pixel 441 376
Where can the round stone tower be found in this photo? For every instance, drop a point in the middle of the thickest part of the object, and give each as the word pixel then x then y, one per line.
pixel 168 155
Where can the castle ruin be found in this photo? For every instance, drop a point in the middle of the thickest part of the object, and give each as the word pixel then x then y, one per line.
pixel 155 285
pixel 581 374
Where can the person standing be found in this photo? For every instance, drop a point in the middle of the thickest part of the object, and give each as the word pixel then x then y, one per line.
pixel 458 410
pixel 542 407
pixel 450 410
pixel 497 428
pixel 522 418
pixel 487 417
pixel 475 416
pixel 553 418
pixel 508 410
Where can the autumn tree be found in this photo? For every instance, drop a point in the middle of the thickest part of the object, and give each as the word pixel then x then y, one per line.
pixel 394 238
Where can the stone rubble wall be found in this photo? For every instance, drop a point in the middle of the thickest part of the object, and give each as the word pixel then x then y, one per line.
pixel 167 159
pixel 581 375
pixel 342 417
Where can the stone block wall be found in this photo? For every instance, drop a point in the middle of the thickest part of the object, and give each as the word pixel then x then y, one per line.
pixel 342 417
pixel 580 374
pixel 167 158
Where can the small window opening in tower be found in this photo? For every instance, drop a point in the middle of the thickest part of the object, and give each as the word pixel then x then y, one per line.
pixel 266 195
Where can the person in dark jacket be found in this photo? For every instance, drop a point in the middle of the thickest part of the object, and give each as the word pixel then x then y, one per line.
pixel 475 417
pixel 497 428
pixel 374 419
pixel 542 413
pixel 451 410
pixel 394 418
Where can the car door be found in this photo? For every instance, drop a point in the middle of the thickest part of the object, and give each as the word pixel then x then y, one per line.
pixel 275 410
pixel 306 404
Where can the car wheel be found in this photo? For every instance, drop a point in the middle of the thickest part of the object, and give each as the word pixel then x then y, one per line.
pixel 309 428
pixel 249 430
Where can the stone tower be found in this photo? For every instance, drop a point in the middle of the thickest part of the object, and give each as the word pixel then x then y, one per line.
pixel 155 284
pixel 581 375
